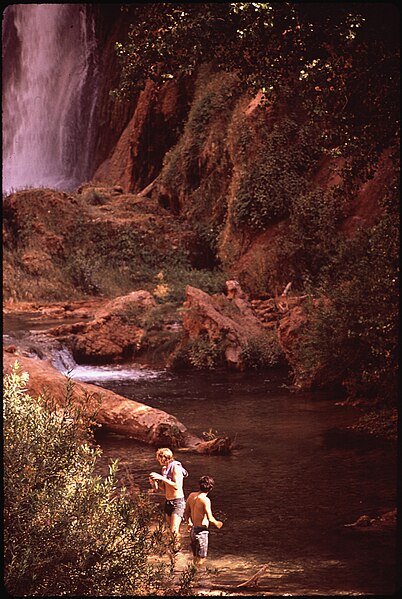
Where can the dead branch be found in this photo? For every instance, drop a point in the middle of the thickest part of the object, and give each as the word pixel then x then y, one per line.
pixel 253 581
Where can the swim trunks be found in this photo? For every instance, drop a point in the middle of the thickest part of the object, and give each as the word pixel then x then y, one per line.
pixel 199 540
pixel 175 506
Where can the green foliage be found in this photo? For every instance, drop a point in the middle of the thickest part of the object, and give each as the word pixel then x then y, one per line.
pixel 268 188
pixel 204 352
pixel 84 269
pixel 98 259
pixel 262 351
pixel 198 164
pixel 310 240
pixel 209 281
pixel 186 582
pixel 67 531
pixel 354 334
pixel 340 62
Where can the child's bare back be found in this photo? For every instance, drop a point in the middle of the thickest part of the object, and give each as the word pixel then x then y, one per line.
pixel 199 504
pixel 198 514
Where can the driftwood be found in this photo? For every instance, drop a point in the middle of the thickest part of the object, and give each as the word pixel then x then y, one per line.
pixel 254 580
pixel 217 446
pixel 389 518
pixel 362 521
pixel 147 189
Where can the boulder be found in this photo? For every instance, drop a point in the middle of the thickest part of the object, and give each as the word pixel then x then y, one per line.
pixel 112 335
pixel 230 320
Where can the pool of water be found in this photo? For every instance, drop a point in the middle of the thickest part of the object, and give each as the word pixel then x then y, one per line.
pixel 296 477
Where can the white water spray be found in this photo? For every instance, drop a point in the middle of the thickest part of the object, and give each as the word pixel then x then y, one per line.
pixel 49 95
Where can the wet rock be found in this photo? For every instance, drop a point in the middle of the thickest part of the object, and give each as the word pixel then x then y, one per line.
pixel 230 320
pixel 113 334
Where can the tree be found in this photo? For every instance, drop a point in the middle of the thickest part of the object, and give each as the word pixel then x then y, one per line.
pixel 337 62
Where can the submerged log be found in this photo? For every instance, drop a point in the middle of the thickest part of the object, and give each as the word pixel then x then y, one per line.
pixel 116 413
pixel 217 446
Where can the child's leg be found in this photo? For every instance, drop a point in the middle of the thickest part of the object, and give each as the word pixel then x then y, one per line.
pixel 198 561
pixel 175 522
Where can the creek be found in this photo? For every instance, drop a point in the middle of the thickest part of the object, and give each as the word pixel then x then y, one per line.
pixel 298 474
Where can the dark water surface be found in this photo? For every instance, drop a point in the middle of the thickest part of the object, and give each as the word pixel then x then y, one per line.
pixel 296 477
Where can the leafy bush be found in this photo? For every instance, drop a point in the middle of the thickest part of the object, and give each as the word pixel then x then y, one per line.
pixel 67 531
pixel 353 335
pixel 267 190
pixel 204 352
pixel 311 238
pixel 83 269
pixel 262 351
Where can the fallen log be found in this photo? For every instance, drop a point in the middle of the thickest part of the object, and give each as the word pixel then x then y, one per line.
pixel 115 413
pixel 217 446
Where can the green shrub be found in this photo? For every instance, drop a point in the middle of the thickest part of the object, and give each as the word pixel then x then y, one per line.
pixel 67 531
pixel 262 351
pixel 353 335
pixel 268 187
pixel 83 269
pixel 311 238
pixel 204 352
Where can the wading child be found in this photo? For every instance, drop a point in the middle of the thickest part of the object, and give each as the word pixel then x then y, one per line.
pixel 198 515
pixel 171 482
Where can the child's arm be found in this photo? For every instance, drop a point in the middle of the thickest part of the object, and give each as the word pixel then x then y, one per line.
pixel 176 483
pixel 187 515
pixel 209 514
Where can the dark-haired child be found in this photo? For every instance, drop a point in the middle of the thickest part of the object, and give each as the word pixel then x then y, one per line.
pixel 198 514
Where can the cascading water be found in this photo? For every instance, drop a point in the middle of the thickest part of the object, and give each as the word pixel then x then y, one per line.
pixel 49 95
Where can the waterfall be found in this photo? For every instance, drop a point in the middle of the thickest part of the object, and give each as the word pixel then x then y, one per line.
pixel 49 95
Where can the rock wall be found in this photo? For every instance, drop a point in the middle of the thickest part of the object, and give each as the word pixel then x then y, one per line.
pixel 197 147
pixel 136 159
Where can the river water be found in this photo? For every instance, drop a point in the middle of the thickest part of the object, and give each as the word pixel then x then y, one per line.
pixel 295 478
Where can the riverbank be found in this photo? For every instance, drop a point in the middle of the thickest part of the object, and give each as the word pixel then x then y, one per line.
pixel 376 419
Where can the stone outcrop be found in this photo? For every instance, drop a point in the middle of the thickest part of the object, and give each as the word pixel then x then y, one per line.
pixel 227 319
pixel 112 334
pixel 115 413
pixel 137 157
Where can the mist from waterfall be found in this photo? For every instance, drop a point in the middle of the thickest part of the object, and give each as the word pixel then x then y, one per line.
pixel 49 95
